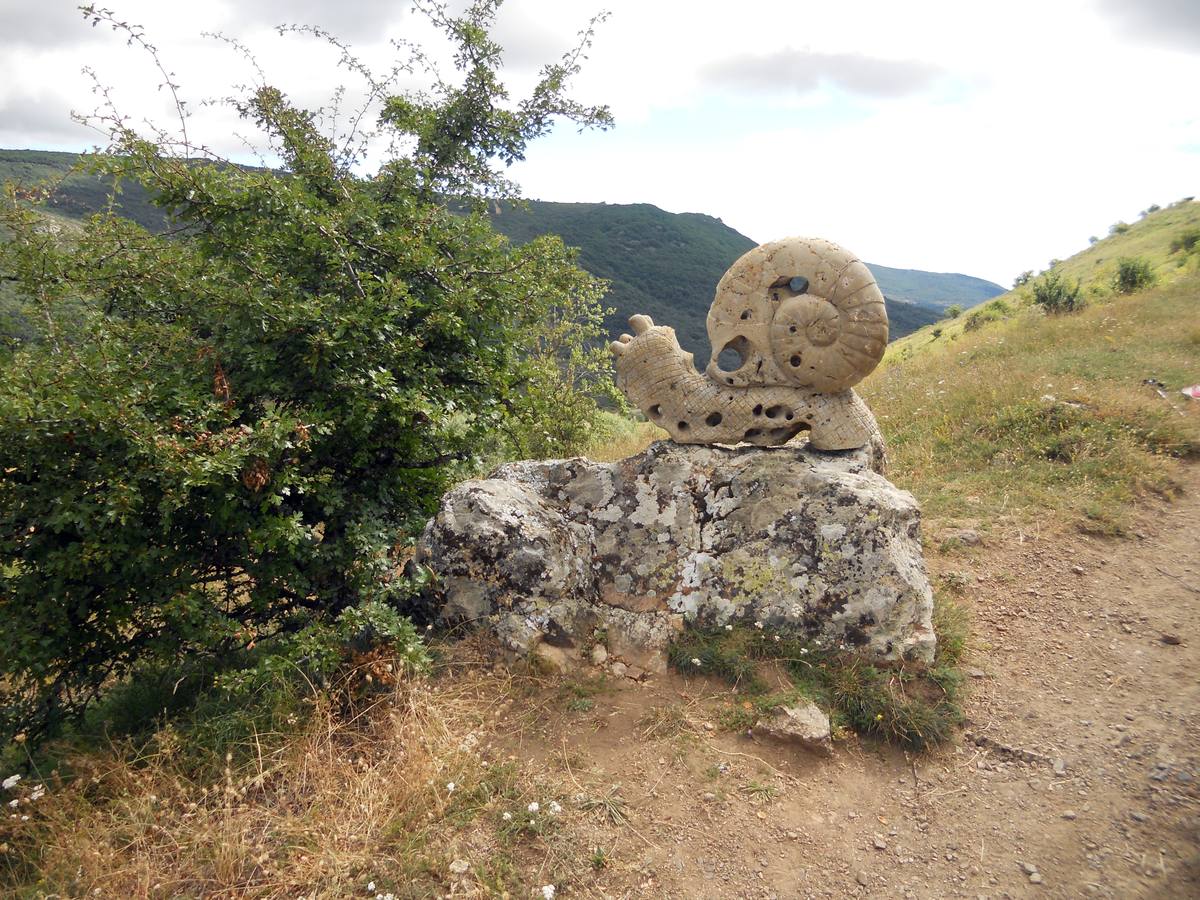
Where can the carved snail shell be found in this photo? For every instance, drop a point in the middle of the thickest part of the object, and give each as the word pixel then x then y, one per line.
pixel 805 320
pixel 801 312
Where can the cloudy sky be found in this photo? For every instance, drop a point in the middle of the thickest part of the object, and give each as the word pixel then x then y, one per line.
pixel 932 134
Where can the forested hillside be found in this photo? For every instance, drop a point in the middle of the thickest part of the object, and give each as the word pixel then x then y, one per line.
pixel 659 263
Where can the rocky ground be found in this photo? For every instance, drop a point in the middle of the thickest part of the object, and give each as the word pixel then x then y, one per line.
pixel 1076 775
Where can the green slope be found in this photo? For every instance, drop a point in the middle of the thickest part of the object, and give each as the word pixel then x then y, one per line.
pixel 1150 239
pixel 936 289
pixel 663 264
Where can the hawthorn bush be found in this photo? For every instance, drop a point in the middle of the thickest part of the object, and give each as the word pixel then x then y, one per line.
pixel 222 451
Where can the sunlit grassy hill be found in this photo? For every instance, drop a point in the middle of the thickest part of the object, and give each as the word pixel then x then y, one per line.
pixel 1011 416
pixel 1150 238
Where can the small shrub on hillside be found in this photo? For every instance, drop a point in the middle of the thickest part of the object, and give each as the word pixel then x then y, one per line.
pixel 1133 275
pixel 1186 241
pixel 953 311
pixel 1057 294
pixel 1024 278
pixel 1118 228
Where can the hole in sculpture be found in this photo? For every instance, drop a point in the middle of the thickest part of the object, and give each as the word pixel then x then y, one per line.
pixel 758 410
pixel 713 420
pixel 683 426
pixel 751 434
pixel 791 329
pixel 774 412
pixel 656 411
pixel 795 361
pixel 745 317
pixel 733 355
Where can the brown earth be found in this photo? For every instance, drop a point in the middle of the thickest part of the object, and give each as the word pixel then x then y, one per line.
pixel 1076 775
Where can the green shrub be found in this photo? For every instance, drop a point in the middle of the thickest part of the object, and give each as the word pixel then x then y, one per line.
pixel 222 452
pixel 1186 241
pixel 1133 275
pixel 1118 228
pixel 1057 294
pixel 953 311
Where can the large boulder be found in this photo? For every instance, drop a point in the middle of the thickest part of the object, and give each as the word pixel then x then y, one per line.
pixel 562 551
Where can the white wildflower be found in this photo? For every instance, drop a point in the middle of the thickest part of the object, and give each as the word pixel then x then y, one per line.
pixel 533 807
pixel 554 807
pixel 695 661
pixel 14 803
pixel 777 639
pixel 39 791
pixel 450 787
pixel 11 781
pixel 548 891
pixel 371 886
pixel 758 625
pixel 729 628
pixel 507 817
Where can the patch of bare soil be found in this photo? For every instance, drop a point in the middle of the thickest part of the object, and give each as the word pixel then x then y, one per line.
pixel 1076 775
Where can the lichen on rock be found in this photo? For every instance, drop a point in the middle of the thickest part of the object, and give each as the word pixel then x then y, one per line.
pixel 815 543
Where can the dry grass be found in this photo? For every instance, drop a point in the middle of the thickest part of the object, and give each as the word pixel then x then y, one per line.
pixel 390 793
pixel 1046 418
pixel 620 437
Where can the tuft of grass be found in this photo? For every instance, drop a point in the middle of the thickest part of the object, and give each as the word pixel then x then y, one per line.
pixel 610 805
pixel 723 654
pixel 664 722
pixel 910 704
pixel 617 437
pixel 760 792
pixel 578 694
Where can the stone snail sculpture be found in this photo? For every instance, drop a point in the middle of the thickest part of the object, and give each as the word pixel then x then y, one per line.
pixel 805 321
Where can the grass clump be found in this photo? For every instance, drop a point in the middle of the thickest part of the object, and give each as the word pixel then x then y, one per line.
pixel 617 436
pixel 910 704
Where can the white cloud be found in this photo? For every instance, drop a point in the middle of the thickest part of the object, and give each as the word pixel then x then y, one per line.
pixel 934 134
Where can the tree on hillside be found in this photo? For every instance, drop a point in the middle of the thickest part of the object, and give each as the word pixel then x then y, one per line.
pixel 219 455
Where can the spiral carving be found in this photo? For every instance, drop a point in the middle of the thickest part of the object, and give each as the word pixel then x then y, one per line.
pixel 794 325
pixel 800 311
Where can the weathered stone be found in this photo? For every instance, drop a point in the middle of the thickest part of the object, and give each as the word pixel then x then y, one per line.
pixel 814 543
pixel 803 320
pixel 802 723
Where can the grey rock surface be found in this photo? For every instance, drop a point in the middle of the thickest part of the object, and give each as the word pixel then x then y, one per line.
pixel 574 552
pixel 802 723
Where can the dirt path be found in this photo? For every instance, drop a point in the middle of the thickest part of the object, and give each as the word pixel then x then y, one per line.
pixel 1070 672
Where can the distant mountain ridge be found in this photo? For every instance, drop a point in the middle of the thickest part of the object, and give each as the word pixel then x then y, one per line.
pixel 663 264
pixel 667 265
